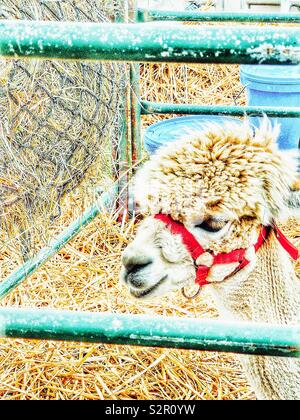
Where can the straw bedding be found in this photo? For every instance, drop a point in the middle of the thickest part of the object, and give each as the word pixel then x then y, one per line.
pixel 84 276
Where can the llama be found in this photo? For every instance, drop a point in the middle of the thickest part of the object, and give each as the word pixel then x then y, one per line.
pixel 222 185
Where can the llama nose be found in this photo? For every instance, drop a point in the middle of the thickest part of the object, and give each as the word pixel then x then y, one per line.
pixel 132 276
pixel 133 265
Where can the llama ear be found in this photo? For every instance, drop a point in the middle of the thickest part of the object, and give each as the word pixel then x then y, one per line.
pixel 145 190
pixel 283 201
pixel 140 189
pixel 281 192
pixel 281 184
pixel 293 200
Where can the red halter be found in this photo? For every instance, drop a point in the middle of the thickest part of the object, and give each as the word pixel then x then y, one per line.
pixel 238 255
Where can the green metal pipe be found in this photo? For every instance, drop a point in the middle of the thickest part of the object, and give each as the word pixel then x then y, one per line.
pixel 122 154
pixel 140 330
pixel 135 100
pixel 150 42
pixel 239 111
pixel 30 266
pixel 194 16
pixel 124 151
pixel 135 113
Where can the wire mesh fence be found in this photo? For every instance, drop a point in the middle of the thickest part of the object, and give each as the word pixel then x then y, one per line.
pixel 60 126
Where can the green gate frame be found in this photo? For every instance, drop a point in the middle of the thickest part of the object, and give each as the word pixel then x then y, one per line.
pixel 139 42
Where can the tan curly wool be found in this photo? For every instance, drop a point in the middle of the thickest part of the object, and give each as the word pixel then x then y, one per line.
pixel 226 170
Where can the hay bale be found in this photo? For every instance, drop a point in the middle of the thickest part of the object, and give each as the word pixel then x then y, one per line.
pixel 58 120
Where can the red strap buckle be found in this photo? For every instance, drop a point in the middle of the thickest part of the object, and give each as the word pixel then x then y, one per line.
pixel 202 274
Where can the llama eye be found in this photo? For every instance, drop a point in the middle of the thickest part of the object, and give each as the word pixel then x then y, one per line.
pixel 212 225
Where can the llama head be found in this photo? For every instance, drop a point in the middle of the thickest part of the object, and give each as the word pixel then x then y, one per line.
pixel 222 184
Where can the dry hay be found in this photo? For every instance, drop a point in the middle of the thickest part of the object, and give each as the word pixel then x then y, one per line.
pixel 191 84
pixel 58 119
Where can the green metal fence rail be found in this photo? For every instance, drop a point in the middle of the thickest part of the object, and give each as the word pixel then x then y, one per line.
pixel 145 42
pixel 238 111
pixel 150 43
pixel 140 330
pixel 193 16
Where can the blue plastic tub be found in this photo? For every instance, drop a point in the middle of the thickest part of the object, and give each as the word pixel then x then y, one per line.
pixel 164 132
pixel 275 86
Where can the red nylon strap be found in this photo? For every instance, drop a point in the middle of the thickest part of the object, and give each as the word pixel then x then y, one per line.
pixel 238 255
pixel 177 228
pixel 201 275
pixel 264 233
pixel 286 244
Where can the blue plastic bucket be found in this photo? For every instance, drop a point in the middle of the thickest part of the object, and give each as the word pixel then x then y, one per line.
pixel 275 86
pixel 164 132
